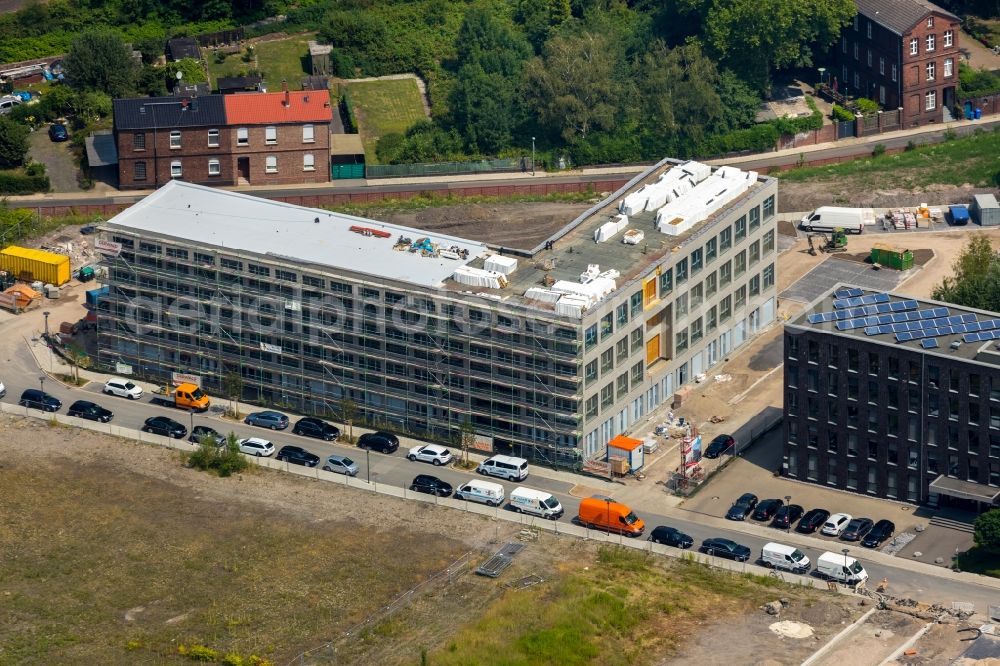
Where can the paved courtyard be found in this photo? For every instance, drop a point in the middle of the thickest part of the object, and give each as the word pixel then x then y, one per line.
pixel 817 281
pixel 57 158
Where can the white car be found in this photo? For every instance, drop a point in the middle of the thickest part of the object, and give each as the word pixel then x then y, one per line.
pixel 836 523
pixel 432 453
pixel 255 446
pixel 123 388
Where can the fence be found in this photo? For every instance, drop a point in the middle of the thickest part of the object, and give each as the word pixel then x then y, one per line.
pixel 448 168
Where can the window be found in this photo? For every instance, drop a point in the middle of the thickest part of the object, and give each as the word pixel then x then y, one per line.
pixel 242 136
pixel 607 395
pixel 681 307
pixel 869 30
pixel 621 349
pixel 931 69
pixel 637 371
pixel 696 330
pixel 768 242
pixel 308 162
pixel 270 135
pixel 710 319
pixel 607 360
pixel 914 46
pixel 271 164
pixel 930 100
pixel 754 252
pixel 622 383
pixel 681 271
pixel 930 21
pixel 740 297
pixel 139 141
pixel 697 295
pixel 636 342
pixel 755 285
pixel 949 38
pixel 308 134
pixel 868 57
pixel 754 219
pixel 666 282
pixel 607 326
pixel 881 94
pixel 857 80
pixel 948 65
pixel 881 65
pixel 590 372
pixel 855 23
pixel 769 207
pixel 930 43
pixel 139 171
pixel 176 171
pixel 213 138
pixel 635 303
pixel 592 406
pixel 214 168
pixel 725 308
pixel 725 274
pixel 711 285
pixel 175 139
pixel 843 44
pixel 725 239
pixel 741 228
pixel 856 51
pixel 710 250
pixel 893 72
pixel 621 314
pixel 696 261
pixel 682 341
pixel 768 276
pixel 740 263
pixel 590 337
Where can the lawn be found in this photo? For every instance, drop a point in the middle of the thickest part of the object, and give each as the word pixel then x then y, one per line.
pixel 970 159
pixel 980 561
pixel 384 107
pixel 285 59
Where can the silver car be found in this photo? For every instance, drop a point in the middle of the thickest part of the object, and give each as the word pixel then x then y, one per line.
pixel 341 465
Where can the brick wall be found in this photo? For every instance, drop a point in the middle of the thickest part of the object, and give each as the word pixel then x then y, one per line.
pixel 157 156
pixel 288 152
pixel 916 85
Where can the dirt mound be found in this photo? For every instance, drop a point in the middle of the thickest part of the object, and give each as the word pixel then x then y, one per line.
pixel 789 629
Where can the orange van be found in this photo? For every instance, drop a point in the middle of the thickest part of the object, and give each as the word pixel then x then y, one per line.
pixel 189 396
pixel 603 513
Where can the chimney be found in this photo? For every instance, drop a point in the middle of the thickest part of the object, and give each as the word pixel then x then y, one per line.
pixel 288 97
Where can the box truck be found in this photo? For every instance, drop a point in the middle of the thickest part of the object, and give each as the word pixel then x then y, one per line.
pixel 830 218
pixel 535 502
pixel 603 513
pixel 841 568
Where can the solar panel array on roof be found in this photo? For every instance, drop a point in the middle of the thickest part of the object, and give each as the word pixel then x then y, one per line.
pixel 965 323
pixel 865 311
pixel 929 343
pixel 848 293
pixel 893 323
pixel 989 330
pixel 871 299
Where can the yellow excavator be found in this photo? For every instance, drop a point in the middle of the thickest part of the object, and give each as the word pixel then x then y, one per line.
pixel 835 242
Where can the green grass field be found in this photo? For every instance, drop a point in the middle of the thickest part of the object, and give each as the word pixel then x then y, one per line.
pixel 384 107
pixel 970 159
pixel 286 59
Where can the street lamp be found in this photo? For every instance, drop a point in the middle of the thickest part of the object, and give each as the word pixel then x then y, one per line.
pixel 822 71
pixel 41 383
pixel 845 551
pixel 46 313
pixel 788 502
pixel 368 463
pixel 532 156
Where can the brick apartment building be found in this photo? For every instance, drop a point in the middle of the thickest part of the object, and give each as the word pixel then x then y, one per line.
pixel 252 138
pixel 902 54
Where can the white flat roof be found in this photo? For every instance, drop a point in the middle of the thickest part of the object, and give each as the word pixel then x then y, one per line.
pixel 243 222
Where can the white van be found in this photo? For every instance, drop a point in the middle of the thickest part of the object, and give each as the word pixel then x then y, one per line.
pixel 828 218
pixel 780 556
pixel 841 568
pixel 536 502
pixel 505 467
pixel 484 492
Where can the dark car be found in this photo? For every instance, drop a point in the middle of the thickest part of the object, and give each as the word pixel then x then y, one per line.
pixel 204 431
pixel 786 516
pixel 857 529
pixel 89 410
pixel 297 456
pixel 725 548
pixel 425 483
pixel 40 400
pixel 767 509
pixel 812 521
pixel 742 507
pixel 58 132
pixel 382 441
pixel 313 427
pixel 268 419
pixel 883 530
pixel 719 445
pixel 670 537
pixel 162 425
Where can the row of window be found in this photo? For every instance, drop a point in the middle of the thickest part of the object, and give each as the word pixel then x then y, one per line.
pixel 139 169
pixel 212 135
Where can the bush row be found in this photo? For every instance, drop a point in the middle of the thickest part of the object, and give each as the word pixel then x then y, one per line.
pixel 19 182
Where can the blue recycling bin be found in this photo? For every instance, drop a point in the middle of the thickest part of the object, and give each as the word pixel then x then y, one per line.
pixel 969 115
pixel 979 113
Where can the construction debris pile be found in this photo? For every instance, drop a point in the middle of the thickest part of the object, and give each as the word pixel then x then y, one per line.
pixel 425 246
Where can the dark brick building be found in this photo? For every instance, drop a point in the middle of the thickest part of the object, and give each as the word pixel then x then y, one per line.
pixel 898 400
pixel 902 54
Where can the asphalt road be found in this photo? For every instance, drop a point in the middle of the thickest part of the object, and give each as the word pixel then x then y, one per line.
pixel 19 373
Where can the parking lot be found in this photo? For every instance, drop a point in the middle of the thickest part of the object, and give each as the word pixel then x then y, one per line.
pixel 57 158
pixel 817 281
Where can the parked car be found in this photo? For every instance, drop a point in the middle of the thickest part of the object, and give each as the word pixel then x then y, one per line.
pixel 298 456
pixel 812 521
pixel 123 388
pixel 3 390
pixel 425 483
pixel 836 523
pixel 432 453
pixel 7 104
pixel 200 431
pixel 725 548
pixel 36 399
pixel 255 446
pixel 786 516
pixel 313 427
pixel 382 441
pixel 767 509
pixel 58 132
pixel 163 425
pixel 742 507
pixel 670 536
pixel 719 445
pixel 267 419
pixel 882 530
pixel 857 529
pixel 90 411
pixel 341 465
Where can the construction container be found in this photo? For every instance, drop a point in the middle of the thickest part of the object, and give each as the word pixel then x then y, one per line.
pixel 94 296
pixel 892 257
pixel 35 265
pixel 985 210
pixel 628 449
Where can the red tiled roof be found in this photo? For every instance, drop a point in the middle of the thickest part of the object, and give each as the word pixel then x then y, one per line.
pixel 304 106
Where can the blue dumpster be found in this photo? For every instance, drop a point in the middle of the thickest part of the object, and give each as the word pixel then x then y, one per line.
pixel 979 113
pixel 968 111
pixel 959 215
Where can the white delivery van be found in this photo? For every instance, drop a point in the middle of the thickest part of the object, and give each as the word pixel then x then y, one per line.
pixel 839 567
pixel 780 556
pixel 536 502
pixel 828 218
pixel 505 467
pixel 484 492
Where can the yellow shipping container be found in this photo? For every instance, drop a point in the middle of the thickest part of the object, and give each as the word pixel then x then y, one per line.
pixel 27 264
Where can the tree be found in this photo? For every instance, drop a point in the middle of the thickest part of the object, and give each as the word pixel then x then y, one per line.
pixel 77 358
pixel 13 143
pixel 975 279
pixel 100 60
pixel 232 384
pixel 987 530
pixel 467 432
pixel 348 411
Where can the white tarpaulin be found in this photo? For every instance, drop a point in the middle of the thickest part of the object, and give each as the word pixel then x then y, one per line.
pixel 477 277
pixel 543 295
pixel 498 263
pixel 705 199
pixel 609 229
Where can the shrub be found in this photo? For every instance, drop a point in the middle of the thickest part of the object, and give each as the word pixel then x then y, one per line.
pixel 867 106
pixel 840 113
pixel 224 460
pixel 878 150
pixel 910 145
pixel 198 653
pixel 757 138
pixel 16 182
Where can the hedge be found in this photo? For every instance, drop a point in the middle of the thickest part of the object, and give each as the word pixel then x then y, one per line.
pixel 17 182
